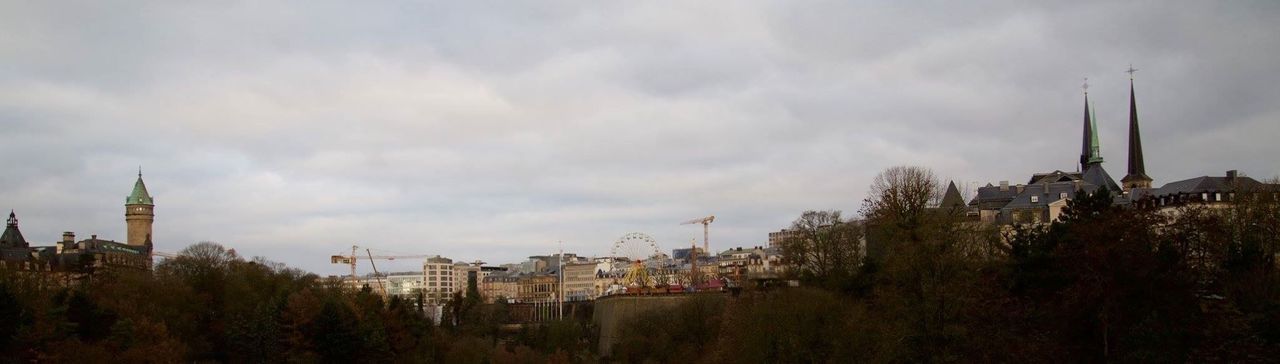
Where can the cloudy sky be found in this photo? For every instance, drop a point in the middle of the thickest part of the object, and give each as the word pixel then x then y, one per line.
pixel 492 130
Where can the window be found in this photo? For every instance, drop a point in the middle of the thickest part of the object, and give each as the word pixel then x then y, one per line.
pixel 1035 198
pixel 1217 196
pixel 1062 195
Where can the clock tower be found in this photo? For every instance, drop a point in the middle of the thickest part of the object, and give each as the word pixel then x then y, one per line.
pixel 139 212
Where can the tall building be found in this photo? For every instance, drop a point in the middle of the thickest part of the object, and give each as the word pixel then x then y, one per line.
pixel 139 213
pixel 440 280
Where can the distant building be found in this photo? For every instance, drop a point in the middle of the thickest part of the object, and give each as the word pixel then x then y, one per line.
pixel 579 281
pixel 537 288
pixel 440 280
pixel 406 285
pixel 73 259
pixel 500 285
pixel 1044 196
pixel 778 237
pixel 755 263
pixel 1206 191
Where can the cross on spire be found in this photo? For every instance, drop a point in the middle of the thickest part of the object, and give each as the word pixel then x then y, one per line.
pixel 1131 71
pixel 1085 86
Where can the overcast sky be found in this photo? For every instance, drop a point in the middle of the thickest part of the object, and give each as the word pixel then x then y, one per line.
pixel 492 130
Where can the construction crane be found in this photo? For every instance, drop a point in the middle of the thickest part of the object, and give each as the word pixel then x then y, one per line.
pixel 706 230
pixel 352 259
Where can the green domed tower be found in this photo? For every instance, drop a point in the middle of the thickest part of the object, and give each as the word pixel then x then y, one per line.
pixel 139 212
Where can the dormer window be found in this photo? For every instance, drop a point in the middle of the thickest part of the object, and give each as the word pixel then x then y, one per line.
pixel 1062 195
pixel 1035 198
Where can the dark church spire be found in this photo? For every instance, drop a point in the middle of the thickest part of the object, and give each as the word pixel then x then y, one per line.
pixel 1090 153
pixel 1137 176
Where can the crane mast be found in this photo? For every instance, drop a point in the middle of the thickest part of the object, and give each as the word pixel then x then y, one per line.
pixel 376 276
pixel 706 230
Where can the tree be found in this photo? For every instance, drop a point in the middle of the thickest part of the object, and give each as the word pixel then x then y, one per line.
pixel 824 249
pixel 900 197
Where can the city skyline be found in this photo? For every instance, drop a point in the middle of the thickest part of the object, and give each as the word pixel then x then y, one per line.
pixel 293 132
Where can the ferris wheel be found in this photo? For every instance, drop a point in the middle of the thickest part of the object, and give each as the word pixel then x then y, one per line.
pixel 636 247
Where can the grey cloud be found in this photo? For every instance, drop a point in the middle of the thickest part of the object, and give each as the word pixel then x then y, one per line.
pixel 492 130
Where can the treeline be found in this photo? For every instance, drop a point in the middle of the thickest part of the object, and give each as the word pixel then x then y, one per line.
pixel 209 305
pixel 914 283
pixel 907 282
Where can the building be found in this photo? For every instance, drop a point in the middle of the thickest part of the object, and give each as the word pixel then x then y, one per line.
pixel 778 237
pixel 467 274
pixel 500 285
pixel 75 260
pixel 537 288
pixel 1045 195
pixel 579 281
pixel 439 274
pixel 1211 191
pixel 139 214
pixel 406 285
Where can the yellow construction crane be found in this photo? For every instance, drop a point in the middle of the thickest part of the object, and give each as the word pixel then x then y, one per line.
pixel 706 230
pixel 351 260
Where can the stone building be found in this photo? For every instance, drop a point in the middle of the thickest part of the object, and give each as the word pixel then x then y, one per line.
pixel 537 287
pixel 1043 197
pixel 500 285
pixel 80 259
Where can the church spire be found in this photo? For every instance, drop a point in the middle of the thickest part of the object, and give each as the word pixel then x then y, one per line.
pixel 1137 176
pixel 1090 153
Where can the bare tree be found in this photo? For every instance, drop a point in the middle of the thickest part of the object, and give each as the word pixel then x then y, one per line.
pixel 824 247
pixel 901 195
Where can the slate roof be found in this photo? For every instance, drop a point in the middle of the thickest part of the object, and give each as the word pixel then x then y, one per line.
pixel 952 198
pixel 1097 175
pixel 1046 193
pixel 1205 184
pixel 12 237
pixel 1055 176
pixel 991 197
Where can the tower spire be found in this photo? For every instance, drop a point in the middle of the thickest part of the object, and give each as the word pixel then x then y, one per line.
pixel 139 213
pixel 1137 174
pixel 1090 153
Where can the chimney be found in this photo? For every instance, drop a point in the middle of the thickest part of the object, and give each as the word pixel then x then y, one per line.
pixel 1231 175
pixel 68 237
pixel 94 236
pixel 1004 186
pixel 1020 186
